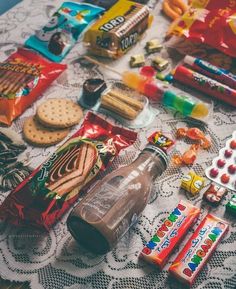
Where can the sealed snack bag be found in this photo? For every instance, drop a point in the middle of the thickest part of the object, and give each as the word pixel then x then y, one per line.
pixel 118 30
pixel 23 78
pixel 57 38
pixel 51 189
pixel 210 22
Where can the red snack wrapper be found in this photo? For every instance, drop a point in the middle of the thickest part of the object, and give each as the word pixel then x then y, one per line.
pixel 214 194
pixel 162 141
pixel 23 78
pixel 53 187
pixel 170 233
pixel 210 22
pixel 198 249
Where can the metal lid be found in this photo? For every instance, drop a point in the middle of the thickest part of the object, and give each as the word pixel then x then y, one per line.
pixel 159 152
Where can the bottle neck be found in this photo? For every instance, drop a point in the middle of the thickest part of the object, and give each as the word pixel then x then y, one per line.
pixel 153 161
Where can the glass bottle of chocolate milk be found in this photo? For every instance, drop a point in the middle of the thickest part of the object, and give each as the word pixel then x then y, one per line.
pixel 115 203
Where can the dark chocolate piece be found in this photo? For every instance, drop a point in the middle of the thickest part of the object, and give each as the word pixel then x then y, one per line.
pixel 92 90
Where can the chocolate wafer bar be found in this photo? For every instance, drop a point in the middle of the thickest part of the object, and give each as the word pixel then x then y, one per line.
pixel 119 29
pixel 122 104
pixel 54 187
pixel 72 169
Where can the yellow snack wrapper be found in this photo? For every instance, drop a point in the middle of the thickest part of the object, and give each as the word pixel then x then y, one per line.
pixel 119 29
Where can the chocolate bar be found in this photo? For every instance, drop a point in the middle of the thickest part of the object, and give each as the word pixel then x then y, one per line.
pixel 153 46
pixel 50 190
pixel 169 234
pixel 198 249
pixel 159 63
pixel 71 169
pixel 119 29
pixel 137 60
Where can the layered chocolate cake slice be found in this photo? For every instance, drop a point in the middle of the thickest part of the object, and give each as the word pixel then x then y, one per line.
pixel 71 168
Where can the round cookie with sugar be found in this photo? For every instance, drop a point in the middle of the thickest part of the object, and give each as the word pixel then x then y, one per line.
pixel 38 135
pixel 59 113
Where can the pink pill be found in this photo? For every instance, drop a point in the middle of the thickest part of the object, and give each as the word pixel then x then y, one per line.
pixel 233 144
pixel 214 172
pixel 225 179
pixel 220 163
pixel 228 153
pixel 232 169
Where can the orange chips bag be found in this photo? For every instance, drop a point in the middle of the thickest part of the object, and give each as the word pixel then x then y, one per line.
pixel 210 22
pixel 23 78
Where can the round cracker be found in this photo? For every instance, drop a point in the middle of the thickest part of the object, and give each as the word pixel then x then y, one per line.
pixel 39 135
pixel 59 113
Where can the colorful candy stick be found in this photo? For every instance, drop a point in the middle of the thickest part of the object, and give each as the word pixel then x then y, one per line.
pixel 198 249
pixel 169 234
pixel 158 93
pixel 205 84
pixel 210 70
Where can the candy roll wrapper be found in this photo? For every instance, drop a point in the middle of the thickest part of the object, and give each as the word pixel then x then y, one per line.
pixel 42 198
pixel 169 234
pixel 198 249
pixel 205 84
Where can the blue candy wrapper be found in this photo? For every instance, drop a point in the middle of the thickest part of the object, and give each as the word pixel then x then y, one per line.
pixel 57 38
pixel 7 5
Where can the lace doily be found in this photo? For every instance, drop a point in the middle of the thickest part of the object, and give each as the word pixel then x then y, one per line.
pixel 54 260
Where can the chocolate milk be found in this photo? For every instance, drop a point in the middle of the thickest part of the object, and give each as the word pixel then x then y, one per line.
pixel 116 202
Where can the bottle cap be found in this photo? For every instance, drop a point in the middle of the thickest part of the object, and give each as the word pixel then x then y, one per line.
pixel 159 152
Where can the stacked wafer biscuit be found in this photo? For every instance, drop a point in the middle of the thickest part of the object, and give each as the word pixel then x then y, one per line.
pixel 122 104
pixel 52 122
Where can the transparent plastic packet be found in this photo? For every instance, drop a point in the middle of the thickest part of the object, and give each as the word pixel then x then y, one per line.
pixel 125 105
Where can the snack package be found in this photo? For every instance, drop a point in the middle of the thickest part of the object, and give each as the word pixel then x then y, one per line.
pixel 163 142
pixel 210 22
pixel 169 234
pixel 57 38
pixel 118 30
pixel 214 194
pixel 192 183
pixel 23 78
pixel 198 249
pixel 43 197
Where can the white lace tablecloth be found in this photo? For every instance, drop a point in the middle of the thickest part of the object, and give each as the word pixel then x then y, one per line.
pixel 53 260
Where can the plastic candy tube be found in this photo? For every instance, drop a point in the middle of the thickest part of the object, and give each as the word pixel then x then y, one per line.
pixel 159 93
pixel 155 92
pixel 205 84
pixel 212 71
